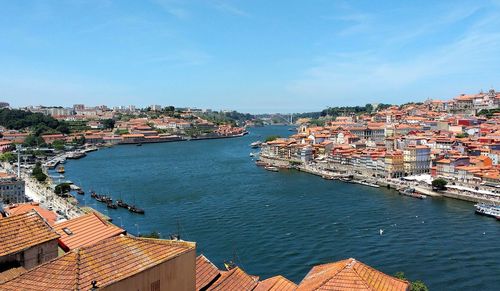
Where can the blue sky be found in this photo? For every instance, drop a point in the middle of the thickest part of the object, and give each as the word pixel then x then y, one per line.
pixel 252 56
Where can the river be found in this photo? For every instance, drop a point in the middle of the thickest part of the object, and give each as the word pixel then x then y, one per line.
pixel 284 223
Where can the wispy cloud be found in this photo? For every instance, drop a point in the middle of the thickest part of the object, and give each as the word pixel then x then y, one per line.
pixel 231 9
pixel 174 8
pixel 371 72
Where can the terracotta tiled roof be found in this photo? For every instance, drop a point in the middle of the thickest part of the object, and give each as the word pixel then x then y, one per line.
pixel 11 274
pixel 18 232
pixel 49 216
pixel 206 272
pixel 106 262
pixel 85 230
pixel 277 283
pixel 236 279
pixel 349 274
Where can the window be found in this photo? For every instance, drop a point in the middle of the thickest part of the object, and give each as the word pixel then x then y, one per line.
pixel 67 231
pixel 155 286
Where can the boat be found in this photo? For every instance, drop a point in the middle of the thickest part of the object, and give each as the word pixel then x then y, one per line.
pixel 368 184
pixel 327 177
pixel 410 192
pixel 256 144
pixel 271 168
pixel 80 192
pixel 139 144
pixel 111 205
pixel 488 210
pixel 252 154
pixel 93 194
pixel 75 155
pixel 60 170
pixel 260 163
pixel 121 204
pixel 135 209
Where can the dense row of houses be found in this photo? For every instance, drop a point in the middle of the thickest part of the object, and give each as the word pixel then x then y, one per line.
pixel 89 253
pixel 402 141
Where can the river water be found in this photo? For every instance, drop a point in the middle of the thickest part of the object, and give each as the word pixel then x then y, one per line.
pixel 284 223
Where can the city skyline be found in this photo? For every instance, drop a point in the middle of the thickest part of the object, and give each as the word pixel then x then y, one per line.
pixel 246 57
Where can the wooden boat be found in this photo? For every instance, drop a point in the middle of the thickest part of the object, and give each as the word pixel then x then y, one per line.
pixel 135 209
pixel 121 204
pixel 111 205
pixel 61 170
pixel 410 192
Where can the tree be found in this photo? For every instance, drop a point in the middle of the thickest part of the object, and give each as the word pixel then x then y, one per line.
pixel 418 286
pixel 8 157
pixel 33 140
pixel 272 137
pixel 38 173
pixel 462 135
pixel 415 285
pixel 62 188
pixel 108 123
pixel 58 144
pixel 439 184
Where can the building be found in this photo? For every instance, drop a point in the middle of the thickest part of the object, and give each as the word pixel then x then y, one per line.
pixel 49 216
pixel 117 263
pixel 350 274
pixel 26 241
pixel 85 230
pixel 416 159
pixel 394 164
pixel 11 188
pixel 206 273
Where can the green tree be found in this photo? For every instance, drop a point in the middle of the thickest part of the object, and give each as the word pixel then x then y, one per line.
pixel 108 123
pixel 8 157
pixel 415 285
pixel 38 173
pixel 439 184
pixel 419 286
pixel 33 140
pixel 62 188
pixel 271 138
pixel 58 144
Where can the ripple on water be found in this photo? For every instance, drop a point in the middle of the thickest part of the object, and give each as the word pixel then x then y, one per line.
pixel 286 222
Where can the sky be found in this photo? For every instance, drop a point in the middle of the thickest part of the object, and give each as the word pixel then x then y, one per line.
pixel 253 56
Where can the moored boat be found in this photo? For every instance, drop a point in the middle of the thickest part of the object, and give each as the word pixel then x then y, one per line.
pixel 111 205
pixel 488 210
pixel 80 192
pixel 256 144
pixel 121 204
pixel 271 168
pixel 410 192
pixel 60 169
pixel 135 209
pixel 260 163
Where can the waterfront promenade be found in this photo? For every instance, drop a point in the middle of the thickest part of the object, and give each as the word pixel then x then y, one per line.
pixel 454 191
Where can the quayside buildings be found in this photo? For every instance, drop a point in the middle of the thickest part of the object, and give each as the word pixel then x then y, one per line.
pixel 457 140
pixel 89 253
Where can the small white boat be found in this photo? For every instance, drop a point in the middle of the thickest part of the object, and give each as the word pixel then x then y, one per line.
pixel 271 168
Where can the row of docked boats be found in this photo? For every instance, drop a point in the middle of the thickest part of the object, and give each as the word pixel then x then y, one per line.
pixel 488 210
pixel 267 166
pixel 410 192
pixel 119 203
